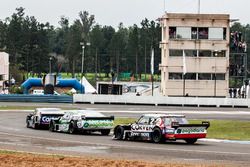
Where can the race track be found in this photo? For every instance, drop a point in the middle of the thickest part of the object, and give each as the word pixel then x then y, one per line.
pixel 15 136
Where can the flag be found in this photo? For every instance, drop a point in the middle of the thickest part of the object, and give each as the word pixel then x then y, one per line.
pixel 184 63
pixel 152 62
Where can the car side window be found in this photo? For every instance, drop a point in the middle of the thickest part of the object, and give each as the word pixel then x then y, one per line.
pixel 143 121
pixel 167 121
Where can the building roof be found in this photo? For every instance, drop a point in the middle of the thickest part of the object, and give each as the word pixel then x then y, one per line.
pixel 196 16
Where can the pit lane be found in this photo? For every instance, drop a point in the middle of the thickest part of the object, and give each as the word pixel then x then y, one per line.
pixel 15 136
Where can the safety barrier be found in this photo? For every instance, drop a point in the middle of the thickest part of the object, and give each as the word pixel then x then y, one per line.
pixel 37 98
pixel 162 101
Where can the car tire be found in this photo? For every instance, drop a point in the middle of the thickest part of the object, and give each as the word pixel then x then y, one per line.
pixel 72 129
pixel 119 132
pixel 35 126
pixel 27 124
pixel 157 135
pixel 190 141
pixel 52 126
pixel 105 132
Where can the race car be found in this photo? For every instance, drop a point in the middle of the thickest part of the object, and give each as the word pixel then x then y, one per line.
pixel 161 127
pixel 41 117
pixel 85 121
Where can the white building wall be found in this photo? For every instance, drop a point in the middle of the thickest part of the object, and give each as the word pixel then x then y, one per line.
pixel 4 68
pixel 174 64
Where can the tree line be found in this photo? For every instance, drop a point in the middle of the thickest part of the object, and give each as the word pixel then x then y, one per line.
pixel 32 44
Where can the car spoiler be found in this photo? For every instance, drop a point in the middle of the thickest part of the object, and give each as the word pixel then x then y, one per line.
pixel 99 118
pixel 54 114
pixel 205 124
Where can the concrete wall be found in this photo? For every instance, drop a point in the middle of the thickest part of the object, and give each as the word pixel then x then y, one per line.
pixel 164 101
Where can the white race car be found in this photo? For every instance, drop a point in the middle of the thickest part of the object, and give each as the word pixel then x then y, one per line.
pixel 82 121
pixel 41 117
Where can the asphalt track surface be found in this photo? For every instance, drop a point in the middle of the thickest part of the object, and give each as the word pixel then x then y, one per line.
pixel 15 136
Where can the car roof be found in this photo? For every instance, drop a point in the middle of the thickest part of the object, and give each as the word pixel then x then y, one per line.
pixel 55 111
pixel 164 115
pixel 48 109
pixel 86 113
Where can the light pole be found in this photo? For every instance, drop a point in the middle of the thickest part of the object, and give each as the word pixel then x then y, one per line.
pixel 50 64
pixel 83 48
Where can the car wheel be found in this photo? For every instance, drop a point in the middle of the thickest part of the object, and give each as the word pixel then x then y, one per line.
pixel 119 133
pixel 191 141
pixel 157 135
pixel 52 126
pixel 27 124
pixel 72 129
pixel 105 132
pixel 35 126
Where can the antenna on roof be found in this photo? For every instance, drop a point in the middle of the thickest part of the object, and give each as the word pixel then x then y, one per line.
pixel 199 6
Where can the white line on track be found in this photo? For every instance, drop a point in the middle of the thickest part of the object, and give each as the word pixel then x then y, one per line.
pixel 122 146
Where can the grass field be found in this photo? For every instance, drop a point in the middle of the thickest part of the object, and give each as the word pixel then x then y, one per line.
pixel 219 129
pixel 228 129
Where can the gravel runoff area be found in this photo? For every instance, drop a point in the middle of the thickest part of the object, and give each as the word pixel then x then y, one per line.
pixel 17 159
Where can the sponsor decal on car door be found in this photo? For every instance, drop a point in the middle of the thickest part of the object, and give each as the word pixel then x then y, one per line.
pixel 142 128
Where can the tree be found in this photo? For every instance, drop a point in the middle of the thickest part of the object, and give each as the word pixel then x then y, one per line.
pixel 14 35
pixel 118 46
pixel 86 23
pixel 105 60
pixel 145 42
pixel 3 29
pixel 73 45
pixel 97 42
pixel 133 48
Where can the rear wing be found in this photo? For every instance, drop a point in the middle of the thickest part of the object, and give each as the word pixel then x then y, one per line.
pixel 205 124
pixel 99 118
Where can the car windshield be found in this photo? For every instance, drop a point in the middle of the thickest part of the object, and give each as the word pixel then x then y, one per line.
pixel 180 120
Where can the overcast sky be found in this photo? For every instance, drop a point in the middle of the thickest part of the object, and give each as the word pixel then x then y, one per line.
pixel 112 12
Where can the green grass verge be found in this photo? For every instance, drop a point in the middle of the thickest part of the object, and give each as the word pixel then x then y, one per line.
pixel 219 129
pixel 7 152
pixel 119 121
pixel 228 129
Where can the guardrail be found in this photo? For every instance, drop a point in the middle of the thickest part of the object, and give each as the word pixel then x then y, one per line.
pixel 37 98
pixel 161 101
